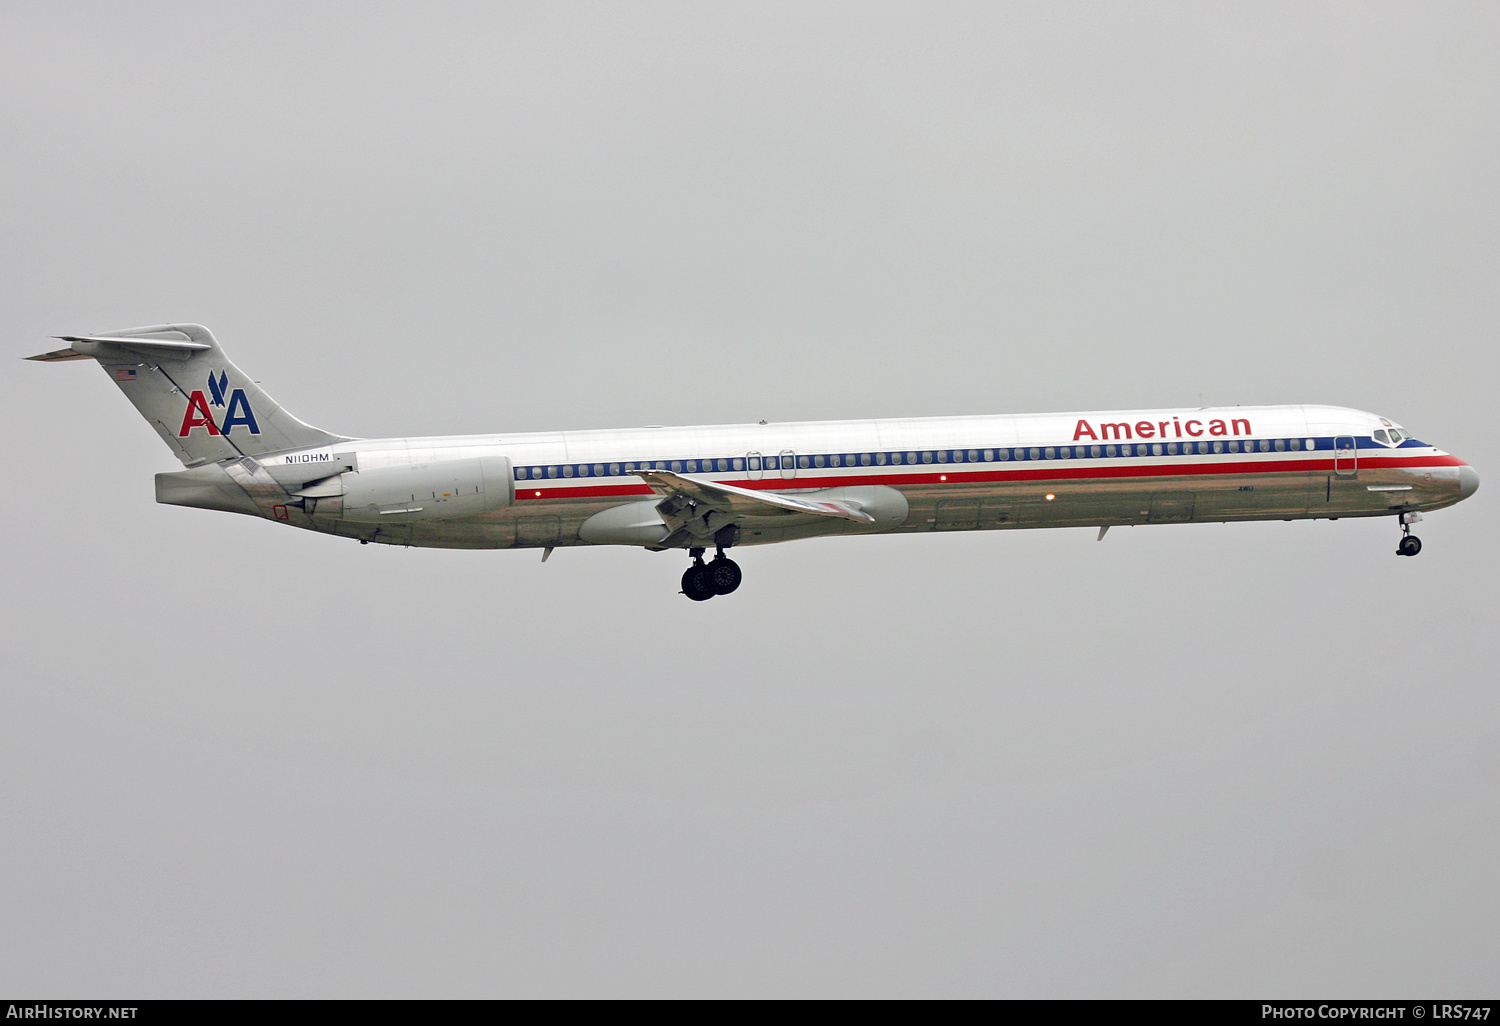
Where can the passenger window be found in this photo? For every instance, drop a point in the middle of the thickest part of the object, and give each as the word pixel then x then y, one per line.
pixel 880 459
pixel 1309 443
pixel 676 467
pixel 567 471
pixel 520 473
pixel 614 470
pixel 1004 454
pixel 989 455
pixel 1281 445
pixel 754 462
pixel 1156 449
pixel 818 461
pixel 927 457
pixel 803 462
pixel 583 470
pixel 1096 451
pixel 911 457
pixel 1034 453
pixel 1265 445
pixel 551 471
pixel 1218 447
pixel 1171 449
pixel 1065 452
pixel 864 459
pixel 942 456
pixel 1296 444
pixel 895 457
pixel 1234 446
pixel 1110 450
pixel 973 455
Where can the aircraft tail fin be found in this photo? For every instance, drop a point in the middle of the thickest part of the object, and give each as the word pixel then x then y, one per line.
pixel 204 407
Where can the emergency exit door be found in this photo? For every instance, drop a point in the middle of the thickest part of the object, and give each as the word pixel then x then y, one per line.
pixel 1345 456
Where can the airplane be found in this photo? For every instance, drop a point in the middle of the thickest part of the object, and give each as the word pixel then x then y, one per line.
pixel 724 486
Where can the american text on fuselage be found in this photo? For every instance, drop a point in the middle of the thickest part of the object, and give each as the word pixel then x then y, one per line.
pixel 720 486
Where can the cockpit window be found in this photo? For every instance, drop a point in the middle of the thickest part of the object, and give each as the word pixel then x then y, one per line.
pixel 1380 436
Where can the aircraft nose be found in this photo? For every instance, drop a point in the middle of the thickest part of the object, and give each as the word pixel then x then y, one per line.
pixel 1468 481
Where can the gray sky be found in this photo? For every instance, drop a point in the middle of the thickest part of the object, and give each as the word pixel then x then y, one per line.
pixel 1240 760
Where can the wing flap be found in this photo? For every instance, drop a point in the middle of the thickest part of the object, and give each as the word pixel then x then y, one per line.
pixel 746 502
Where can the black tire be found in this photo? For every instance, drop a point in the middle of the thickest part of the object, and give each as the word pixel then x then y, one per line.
pixel 1410 545
pixel 696 583
pixel 724 575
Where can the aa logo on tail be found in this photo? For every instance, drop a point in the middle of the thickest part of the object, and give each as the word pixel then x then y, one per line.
pixel 199 415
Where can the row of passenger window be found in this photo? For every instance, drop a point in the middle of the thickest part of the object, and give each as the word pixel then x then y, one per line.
pixel 882 459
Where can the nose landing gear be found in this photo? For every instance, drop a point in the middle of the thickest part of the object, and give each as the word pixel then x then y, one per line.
pixel 703 581
pixel 1410 544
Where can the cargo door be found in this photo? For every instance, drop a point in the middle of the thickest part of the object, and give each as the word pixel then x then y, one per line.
pixel 956 515
pixel 537 531
pixel 1172 507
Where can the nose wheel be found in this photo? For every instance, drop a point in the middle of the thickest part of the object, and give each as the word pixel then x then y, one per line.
pixel 1410 544
pixel 702 581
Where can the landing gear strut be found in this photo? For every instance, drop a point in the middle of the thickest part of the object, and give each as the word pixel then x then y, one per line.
pixel 703 581
pixel 1410 544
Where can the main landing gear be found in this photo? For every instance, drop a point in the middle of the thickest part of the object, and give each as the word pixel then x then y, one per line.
pixel 703 581
pixel 1410 544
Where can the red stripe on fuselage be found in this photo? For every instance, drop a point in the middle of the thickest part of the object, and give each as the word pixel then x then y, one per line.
pixel 1052 471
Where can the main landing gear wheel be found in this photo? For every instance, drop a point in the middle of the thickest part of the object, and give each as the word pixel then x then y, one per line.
pixel 703 581
pixel 724 575
pixel 697 583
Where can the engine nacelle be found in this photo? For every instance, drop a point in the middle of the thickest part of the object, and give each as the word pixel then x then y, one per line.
pixel 424 490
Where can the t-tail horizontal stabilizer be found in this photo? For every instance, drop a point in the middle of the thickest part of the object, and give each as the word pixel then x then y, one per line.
pixel 204 407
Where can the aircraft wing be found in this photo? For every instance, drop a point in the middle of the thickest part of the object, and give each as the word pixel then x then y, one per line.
pixel 746 502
